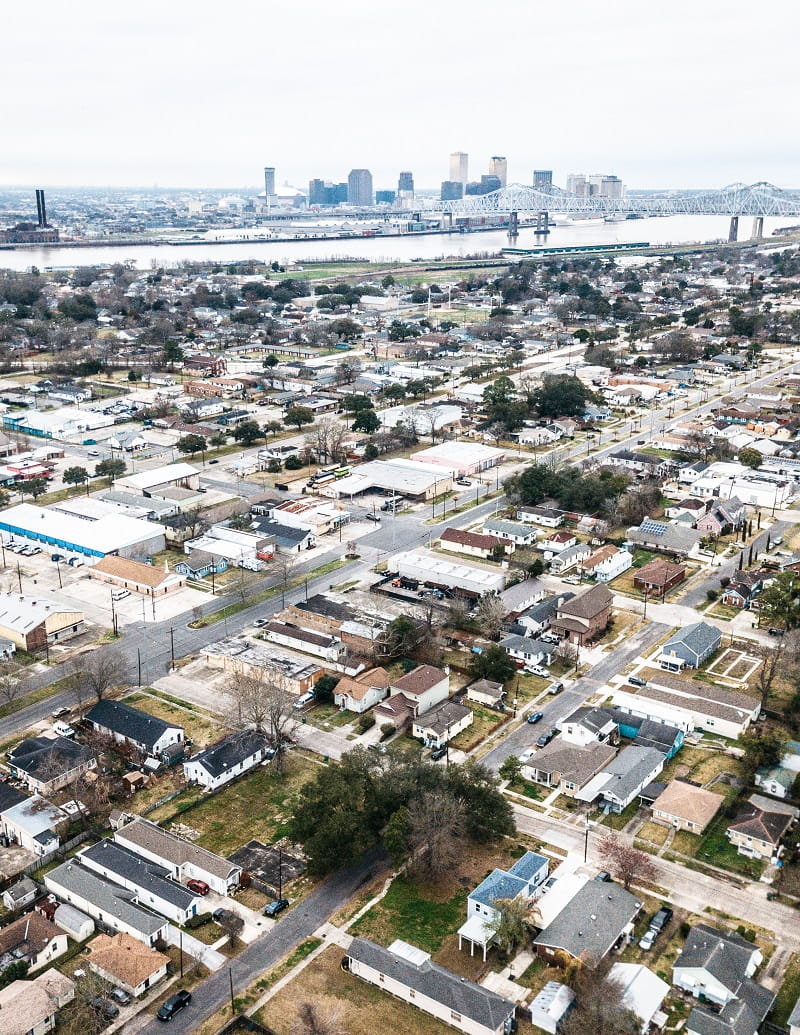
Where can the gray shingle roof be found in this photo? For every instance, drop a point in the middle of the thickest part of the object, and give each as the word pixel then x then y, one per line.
pixel 129 722
pixel 499 884
pixel 591 922
pixel 128 866
pixel 45 758
pixel 628 771
pixel 431 980
pixel 724 954
pixel 106 897
pixel 236 748
pixel 699 638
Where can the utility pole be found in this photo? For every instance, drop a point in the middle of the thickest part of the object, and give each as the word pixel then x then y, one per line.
pixel 139 664
pixel 172 647
pixel 19 578
pixel 280 872
pixel 233 1003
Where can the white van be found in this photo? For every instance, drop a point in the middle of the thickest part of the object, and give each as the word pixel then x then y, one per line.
pixel 63 729
pixel 304 699
pixel 120 594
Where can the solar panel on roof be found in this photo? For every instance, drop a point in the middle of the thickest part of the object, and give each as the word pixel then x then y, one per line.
pixel 653 527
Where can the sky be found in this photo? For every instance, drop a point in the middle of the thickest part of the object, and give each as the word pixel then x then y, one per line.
pixel 690 93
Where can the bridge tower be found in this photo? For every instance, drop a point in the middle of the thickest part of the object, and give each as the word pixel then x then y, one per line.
pixel 513 226
pixel 542 223
pixel 733 233
pixel 758 228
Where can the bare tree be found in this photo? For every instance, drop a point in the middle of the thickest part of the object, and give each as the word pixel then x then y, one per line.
pixel 773 658
pixel 491 615
pixel 627 863
pixel 264 701
pixel 436 824
pixel 98 672
pixel 247 697
pixel 313 1019
pixel 326 438
pixel 567 651
pixel 10 688
pixel 599 1009
pixel 232 925
pixel 283 564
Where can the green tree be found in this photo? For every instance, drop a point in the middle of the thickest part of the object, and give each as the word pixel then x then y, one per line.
pixel 75 476
pixel 173 353
pixel 399 330
pixel 394 392
pixel 248 432
pixel 498 398
pixel 492 663
pixel 344 328
pixel 762 748
pixel 779 604
pixel 396 836
pixel 561 395
pixel 402 637
pixel 367 421
pixel 511 769
pixel 297 416
pixel 111 469
pixel 751 458
pixel 191 444
pixel 272 427
pixel 33 487
pixel 510 924
pixel 78 308
pixel 388 281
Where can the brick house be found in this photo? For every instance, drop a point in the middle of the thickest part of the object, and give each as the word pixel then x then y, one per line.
pixel 584 618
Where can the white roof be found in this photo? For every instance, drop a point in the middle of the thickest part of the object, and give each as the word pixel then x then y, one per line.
pixel 558 896
pixel 433 565
pixel 26 613
pixel 642 991
pixel 158 476
pixel 102 536
pixel 35 815
pixel 460 454
pixel 400 475
pixel 476 930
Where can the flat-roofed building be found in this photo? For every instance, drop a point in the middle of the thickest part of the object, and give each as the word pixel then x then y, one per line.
pixel 461 459
pixel 426 566
pixel 31 623
pixel 111 533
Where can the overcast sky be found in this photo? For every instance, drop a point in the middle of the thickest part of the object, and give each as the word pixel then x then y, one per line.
pixel 689 93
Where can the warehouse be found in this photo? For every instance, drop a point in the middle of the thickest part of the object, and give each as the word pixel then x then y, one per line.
pixel 113 533
pixel 60 423
pixel 426 566
pixel 461 459
pixel 32 623
pixel 404 477
pixel 180 476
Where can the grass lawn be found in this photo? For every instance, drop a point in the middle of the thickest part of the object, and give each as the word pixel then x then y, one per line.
pixel 654 833
pixel 616 821
pixel 359 1008
pixel 484 720
pixel 531 790
pixel 255 807
pixel 789 993
pixel 198 726
pixel 415 912
pixel 327 715
pixel 716 849
pixel 722 611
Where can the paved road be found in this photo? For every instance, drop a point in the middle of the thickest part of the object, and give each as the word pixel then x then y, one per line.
pixel 295 926
pixel 525 736
pixel 688 889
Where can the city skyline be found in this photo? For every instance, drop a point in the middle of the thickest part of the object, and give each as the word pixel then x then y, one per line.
pixel 122 97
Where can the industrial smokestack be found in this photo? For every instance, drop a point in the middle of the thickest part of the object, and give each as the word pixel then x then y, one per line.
pixel 41 210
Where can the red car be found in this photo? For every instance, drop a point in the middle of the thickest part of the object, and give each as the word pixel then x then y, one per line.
pixel 199 887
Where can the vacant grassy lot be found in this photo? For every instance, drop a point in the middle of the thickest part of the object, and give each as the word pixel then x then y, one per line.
pixel 199 726
pixel 255 807
pixel 789 993
pixel 484 720
pixel 359 1008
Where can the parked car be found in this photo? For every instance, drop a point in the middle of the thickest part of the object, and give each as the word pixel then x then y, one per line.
pixel 63 729
pixel 573 580
pixel 662 918
pixel 278 906
pixel 545 738
pixel 775 631
pixel 56 557
pixel 555 688
pixel 604 877
pixel 648 938
pixel 373 517
pixel 106 1009
pixel 259 623
pixel 199 887
pixel 221 915
pixel 537 670
pixel 636 681
pixel 120 995
pixel 174 1005
pixel 438 752
pixel 534 717
pixel 58 712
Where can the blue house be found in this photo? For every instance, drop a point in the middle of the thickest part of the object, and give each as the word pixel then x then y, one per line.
pixel 648 733
pixel 521 880
pixel 199 564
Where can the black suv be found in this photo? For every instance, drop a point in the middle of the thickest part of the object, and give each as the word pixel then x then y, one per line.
pixel 438 752
pixel 661 919
pixel 545 738
pixel 174 1005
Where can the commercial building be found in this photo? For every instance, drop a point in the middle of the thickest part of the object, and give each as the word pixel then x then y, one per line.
pixel 498 166
pixel 451 190
pixel 426 566
pixel 359 188
pixel 419 481
pixel 135 576
pixel 59 424
pixel 258 659
pixel 459 167
pixel 460 459
pixel 180 476
pixel 31 623
pixel 113 533
pixel 543 179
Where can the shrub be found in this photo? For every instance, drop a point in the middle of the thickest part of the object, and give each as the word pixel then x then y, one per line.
pixel 712 594
pixel 274 466
pixel 387 729
pixel 366 721
pixel 198 920
pixel 293 463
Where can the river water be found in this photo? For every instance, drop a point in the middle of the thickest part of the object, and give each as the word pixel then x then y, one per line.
pixel 656 231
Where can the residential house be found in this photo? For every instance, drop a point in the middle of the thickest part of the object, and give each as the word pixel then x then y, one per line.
pixel 30 1007
pixel 743 589
pixel 182 858
pixel 685 806
pixel 527 650
pixel 360 693
pixel 127 963
pixel 31 939
pixel 607 562
pixel 794 1019
pixel 21 894
pixel 690 646
pixel 421 688
pixel 288 539
pixel 547 517
pixel 659 576
pixel 320 645
pixel 779 780
pixel 522 595
pixel 487 693
pixel 648 465
pixel 598 917
pixel 128 725
pixel 150 884
pixel 569 558
pixel 105 901
pixel 35 824
pixel 146 579
pixel 46 764
pixel 556 543
pixel 588 725
pixel 456 540
pixel 641 991
pixel 665 537
pixel 723 517
pixel 522 880
pixel 514 531
pixel 717 966
pixel 408 974
pixel 233 755
pixel 567 767
pixel 440 724
pixel 33 623
pixel 660 735
pixel 760 826
pixel 537 619
pixel 688 511
pixel 585 617
pixel 623 778
pixel 690 705
pixel 199 564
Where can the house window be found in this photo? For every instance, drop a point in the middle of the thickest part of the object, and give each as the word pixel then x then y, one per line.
pixel 381 977
pixel 455 1016
pixel 412 994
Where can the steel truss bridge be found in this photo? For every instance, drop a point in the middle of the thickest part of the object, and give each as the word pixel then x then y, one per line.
pixel 736 200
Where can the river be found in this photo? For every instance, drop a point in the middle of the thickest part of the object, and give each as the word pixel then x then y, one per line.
pixel 656 231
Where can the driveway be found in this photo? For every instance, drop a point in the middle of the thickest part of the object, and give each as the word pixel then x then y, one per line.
pixel 195 948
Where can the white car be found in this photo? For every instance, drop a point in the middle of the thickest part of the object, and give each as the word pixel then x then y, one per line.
pixel 537 670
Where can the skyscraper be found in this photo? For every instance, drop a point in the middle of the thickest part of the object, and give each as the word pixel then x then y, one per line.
pixel 498 166
pixel 405 183
pixel 451 190
pixel 359 187
pixel 316 192
pixel 576 184
pixel 542 179
pixel 459 167
pixel 269 180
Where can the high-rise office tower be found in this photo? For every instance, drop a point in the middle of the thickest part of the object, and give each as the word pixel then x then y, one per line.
pixel 542 179
pixel 316 192
pixel 576 184
pixel 459 167
pixel 269 181
pixel 384 197
pixel 604 185
pixel 359 187
pixel 451 190
pixel 498 166
pixel 405 183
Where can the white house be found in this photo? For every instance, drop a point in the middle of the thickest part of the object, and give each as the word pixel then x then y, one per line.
pixel 31 1007
pixel 641 991
pixel 608 562
pixel 442 723
pixel 360 693
pixel 152 736
pixel 713 963
pixel 228 758
pixel 183 858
